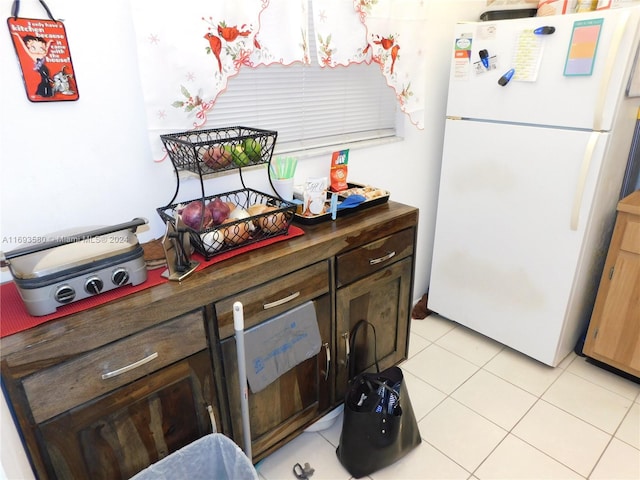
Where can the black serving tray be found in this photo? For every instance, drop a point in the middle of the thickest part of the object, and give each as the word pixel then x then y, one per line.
pixel 323 217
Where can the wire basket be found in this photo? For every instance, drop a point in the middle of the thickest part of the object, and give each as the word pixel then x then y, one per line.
pixel 219 149
pixel 213 240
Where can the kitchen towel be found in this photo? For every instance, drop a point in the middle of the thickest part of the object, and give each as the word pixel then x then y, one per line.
pixel 279 344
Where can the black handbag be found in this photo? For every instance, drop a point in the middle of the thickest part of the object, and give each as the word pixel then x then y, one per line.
pixel 379 426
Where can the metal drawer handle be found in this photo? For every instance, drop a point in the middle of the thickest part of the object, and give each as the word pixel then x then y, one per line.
pixel 347 348
pixel 137 364
pixel 328 356
pixel 382 259
pixel 266 306
pixel 214 427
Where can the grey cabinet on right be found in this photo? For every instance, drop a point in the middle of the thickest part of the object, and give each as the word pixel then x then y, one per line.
pixel 614 331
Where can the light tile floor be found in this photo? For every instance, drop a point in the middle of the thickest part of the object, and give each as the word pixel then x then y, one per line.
pixel 488 412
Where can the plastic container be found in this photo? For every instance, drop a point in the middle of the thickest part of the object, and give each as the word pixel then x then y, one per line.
pixel 326 421
pixel 507 14
pixel 213 456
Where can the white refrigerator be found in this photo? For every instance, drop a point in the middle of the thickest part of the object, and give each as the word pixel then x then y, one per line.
pixel 531 174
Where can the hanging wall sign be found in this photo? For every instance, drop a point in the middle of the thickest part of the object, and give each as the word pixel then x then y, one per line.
pixel 43 52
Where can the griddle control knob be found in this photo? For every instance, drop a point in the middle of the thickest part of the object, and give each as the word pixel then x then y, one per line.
pixel 64 294
pixel 120 276
pixel 93 285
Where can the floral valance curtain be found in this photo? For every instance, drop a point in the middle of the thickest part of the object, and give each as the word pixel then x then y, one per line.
pixel 188 52
pixel 391 33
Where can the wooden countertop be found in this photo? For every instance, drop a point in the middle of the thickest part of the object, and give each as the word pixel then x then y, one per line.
pixel 630 203
pixel 60 339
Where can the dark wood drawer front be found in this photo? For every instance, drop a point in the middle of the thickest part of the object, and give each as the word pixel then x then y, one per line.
pixel 374 256
pixel 273 298
pixel 57 389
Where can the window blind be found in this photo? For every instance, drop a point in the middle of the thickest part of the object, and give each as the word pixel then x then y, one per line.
pixel 307 105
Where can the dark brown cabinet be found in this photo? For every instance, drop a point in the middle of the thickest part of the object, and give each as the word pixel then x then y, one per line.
pixel 108 391
pixel 375 283
pixel 291 402
pixel 121 433
pixel 299 395
pixel 114 410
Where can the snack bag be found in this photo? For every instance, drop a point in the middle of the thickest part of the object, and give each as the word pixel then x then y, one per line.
pixel 315 196
pixel 339 161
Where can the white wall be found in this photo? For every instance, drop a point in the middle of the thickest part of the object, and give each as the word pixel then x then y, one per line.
pixel 13 459
pixel 84 163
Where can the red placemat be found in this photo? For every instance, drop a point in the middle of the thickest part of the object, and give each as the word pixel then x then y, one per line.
pixel 14 317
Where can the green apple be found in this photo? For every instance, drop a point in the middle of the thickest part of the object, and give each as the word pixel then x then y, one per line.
pixel 240 158
pixel 253 149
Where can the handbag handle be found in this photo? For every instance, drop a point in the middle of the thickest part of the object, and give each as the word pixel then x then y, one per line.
pixel 352 347
pixel 383 385
pixel 15 8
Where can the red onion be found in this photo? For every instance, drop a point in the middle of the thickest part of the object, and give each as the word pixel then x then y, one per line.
pixel 196 216
pixel 219 211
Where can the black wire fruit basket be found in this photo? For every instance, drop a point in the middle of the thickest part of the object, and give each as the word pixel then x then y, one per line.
pixel 266 216
pixel 204 152
pixel 219 149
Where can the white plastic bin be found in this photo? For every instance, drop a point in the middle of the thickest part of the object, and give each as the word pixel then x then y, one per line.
pixel 213 456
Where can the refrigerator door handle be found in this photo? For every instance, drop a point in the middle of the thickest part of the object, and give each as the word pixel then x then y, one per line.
pixel 614 48
pixel 582 179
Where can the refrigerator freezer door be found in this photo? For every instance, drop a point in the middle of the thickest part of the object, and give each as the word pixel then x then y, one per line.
pixel 507 242
pixel 549 97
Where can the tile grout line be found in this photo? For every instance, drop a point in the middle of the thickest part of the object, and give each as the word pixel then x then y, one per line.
pixel 510 431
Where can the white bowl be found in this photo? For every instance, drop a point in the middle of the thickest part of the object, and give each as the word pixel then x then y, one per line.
pixel 327 421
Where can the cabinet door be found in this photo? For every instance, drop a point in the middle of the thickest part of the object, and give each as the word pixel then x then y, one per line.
pixel 384 299
pixel 290 402
pixel 614 331
pixel 119 434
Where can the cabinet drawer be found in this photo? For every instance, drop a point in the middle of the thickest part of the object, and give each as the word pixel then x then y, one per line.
pixel 373 256
pixel 275 297
pixel 57 389
pixel 631 238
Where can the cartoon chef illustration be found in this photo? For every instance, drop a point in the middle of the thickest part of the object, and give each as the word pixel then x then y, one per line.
pixel 37 48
